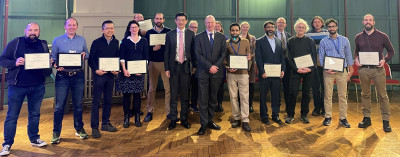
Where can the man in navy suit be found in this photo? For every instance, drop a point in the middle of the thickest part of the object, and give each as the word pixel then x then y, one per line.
pixel 269 51
pixel 210 52
pixel 179 46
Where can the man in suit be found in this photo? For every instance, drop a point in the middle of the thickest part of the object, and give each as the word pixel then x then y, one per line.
pixel 179 45
pixel 269 51
pixel 210 52
pixel 284 37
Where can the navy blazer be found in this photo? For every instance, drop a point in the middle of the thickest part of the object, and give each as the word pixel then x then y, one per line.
pixel 264 54
pixel 170 50
pixel 208 56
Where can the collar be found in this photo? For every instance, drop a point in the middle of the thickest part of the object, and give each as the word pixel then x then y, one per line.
pixel 231 41
pixel 279 32
pixel 337 37
pixel 66 35
pixel 112 38
pixel 129 37
pixel 162 27
pixel 177 30
pixel 208 33
pixel 365 32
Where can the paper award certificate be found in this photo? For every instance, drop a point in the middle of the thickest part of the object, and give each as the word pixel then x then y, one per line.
pixel 272 70
pixel 146 24
pixel 304 61
pixel 157 39
pixel 334 63
pixel 72 60
pixel 109 63
pixel 238 62
pixel 368 58
pixel 37 61
pixel 137 67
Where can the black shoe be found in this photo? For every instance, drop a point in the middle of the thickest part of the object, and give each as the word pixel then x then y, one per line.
pixel 220 107
pixel 304 119
pixel 141 113
pixel 315 112
pixel 246 126
pixel 289 120
pixel 327 121
pixel 96 133
pixel 251 109
pixel 365 123
pixel 235 123
pixel 149 117
pixel 202 130
pixel 277 120
pixel 323 113
pixel 172 125
pixel 386 126
pixel 137 120
pixel 265 121
pixel 194 108
pixel 185 124
pixel 108 127
pixel 126 121
pixel 214 126
pixel 344 123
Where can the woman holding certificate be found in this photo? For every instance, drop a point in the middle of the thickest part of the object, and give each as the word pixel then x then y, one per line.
pixel 133 56
pixel 302 61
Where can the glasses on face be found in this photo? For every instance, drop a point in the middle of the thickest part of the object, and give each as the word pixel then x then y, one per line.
pixel 194 27
pixel 134 27
pixel 331 26
pixel 269 27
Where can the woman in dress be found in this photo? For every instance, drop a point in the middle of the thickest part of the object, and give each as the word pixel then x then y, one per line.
pixel 133 47
pixel 245 26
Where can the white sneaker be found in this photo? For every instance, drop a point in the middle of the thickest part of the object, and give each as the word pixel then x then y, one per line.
pixel 5 150
pixel 38 143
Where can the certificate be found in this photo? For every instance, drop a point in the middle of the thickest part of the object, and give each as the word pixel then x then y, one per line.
pixel 368 58
pixel 69 60
pixel 304 61
pixel 146 24
pixel 137 67
pixel 157 39
pixel 109 63
pixel 238 62
pixel 37 61
pixel 334 63
pixel 272 70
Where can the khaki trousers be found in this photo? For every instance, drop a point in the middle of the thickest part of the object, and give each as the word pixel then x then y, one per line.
pixel 239 82
pixel 155 70
pixel 341 82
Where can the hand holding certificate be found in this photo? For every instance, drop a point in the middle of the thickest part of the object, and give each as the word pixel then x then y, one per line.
pixel 137 67
pixel 37 61
pixel 157 39
pixel 109 64
pixel 238 62
pixel 146 24
pixel 69 60
pixel 334 63
pixel 368 58
pixel 273 70
pixel 304 61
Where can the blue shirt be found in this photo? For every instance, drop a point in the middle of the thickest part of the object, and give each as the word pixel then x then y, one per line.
pixel 272 43
pixel 64 44
pixel 329 47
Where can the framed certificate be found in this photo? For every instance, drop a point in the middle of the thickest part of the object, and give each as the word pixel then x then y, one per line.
pixel 334 63
pixel 272 70
pixel 304 61
pixel 368 58
pixel 157 39
pixel 70 60
pixel 146 24
pixel 37 61
pixel 137 67
pixel 238 62
pixel 109 63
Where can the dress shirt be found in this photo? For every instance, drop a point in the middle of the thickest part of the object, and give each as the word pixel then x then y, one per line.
pixel 177 43
pixel 328 47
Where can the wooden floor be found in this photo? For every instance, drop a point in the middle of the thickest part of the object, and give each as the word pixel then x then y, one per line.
pixel 153 138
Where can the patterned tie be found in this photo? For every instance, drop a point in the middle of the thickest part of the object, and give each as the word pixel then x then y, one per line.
pixel 283 41
pixel 181 55
pixel 211 40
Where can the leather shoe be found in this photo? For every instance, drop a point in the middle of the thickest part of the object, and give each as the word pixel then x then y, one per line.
pixel 265 121
pixel 315 112
pixel 185 124
pixel 246 126
pixel 251 109
pixel 214 126
pixel 277 120
pixel 202 130
pixel 327 121
pixel 149 117
pixel 235 123
pixel 172 125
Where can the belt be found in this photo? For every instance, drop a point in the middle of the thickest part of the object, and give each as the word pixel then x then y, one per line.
pixel 71 73
pixel 369 66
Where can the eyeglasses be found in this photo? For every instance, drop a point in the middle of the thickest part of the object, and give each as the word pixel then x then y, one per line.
pixel 193 27
pixel 331 26
pixel 269 27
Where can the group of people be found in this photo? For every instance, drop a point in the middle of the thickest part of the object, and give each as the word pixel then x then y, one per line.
pixel 197 63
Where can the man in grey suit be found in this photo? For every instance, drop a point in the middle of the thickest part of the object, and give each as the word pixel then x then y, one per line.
pixel 179 46
pixel 210 52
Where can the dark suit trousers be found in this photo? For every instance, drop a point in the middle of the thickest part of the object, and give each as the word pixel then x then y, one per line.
pixel 286 82
pixel 295 79
pixel 318 89
pixel 101 84
pixel 208 89
pixel 194 89
pixel 273 84
pixel 179 82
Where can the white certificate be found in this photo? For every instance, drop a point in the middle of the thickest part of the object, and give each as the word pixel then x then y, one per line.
pixel 69 60
pixel 146 24
pixel 272 70
pixel 238 62
pixel 368 58
pixel 157 39
pixel 334 63
pixel 304 61
pixel 37 61
pixel 137 67
pixel 109 63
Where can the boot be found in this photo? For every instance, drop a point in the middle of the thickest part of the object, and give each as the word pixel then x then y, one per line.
pixel 386 126
pixel 126 121
pixel 137 120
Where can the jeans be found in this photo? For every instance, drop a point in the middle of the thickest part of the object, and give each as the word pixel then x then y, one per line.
pixel 63 83
pixel 101 84
pixel 16 96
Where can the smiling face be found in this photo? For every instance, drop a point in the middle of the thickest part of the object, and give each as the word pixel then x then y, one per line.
pixel 210 23
pixel 317 24
pixel 332 28
pixel 270 29
pixel 71 26
pixel 180 22
pixel 368 22
pixel 108 30
pixel 193 27
pixel 245 28
pixel 32 31
pixel 218 27
pixel 281 24
pixel 300 29
pixel 134 29
pixel 159 20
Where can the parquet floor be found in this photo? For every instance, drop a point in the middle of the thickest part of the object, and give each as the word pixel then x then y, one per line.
pixel 153 138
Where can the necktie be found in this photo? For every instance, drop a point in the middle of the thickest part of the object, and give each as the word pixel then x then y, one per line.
pixel 283 41
pixel 211 40
pixel 181 55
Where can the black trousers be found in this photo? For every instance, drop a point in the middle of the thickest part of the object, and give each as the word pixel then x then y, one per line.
pixel 273 84
pixel 221 90
pixel 179 83
pixel 126 102
pixel 101 84
pixel 318 89
pixel 295 80
pixel 286 82
pixel 193 90
pixel 208 89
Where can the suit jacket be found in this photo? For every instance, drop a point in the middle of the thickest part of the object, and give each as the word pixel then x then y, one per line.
pixel 287 35
pixel 264 54
pixel 208 56
pixel 170 50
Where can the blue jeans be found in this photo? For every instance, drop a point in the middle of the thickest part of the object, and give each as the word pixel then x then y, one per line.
pixel 16 96
pixel 63 83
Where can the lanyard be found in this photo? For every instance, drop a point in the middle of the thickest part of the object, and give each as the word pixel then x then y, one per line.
pixel 337 47
pixel 235 50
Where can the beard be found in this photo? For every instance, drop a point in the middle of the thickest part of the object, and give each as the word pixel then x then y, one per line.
pixel 32 37
pixel 270 33
pixel 332 32
pixel 159 24
pixel 368 28
pixel 235 36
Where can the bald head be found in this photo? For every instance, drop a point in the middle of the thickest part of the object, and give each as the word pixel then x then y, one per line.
pixel 210 23
pixel 32 31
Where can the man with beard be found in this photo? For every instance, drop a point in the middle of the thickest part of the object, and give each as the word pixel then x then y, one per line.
pixel 237 79
pixel 373 40
pixel 139 17
pixel 336 45
pixel 269 51
pixel 156 68
pixel 24 83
